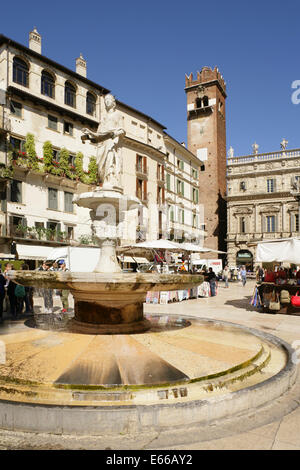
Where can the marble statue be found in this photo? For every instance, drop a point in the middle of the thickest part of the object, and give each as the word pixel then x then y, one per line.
pixel 283 144
pixel 255 148
pixel 230 152
pixel 108 137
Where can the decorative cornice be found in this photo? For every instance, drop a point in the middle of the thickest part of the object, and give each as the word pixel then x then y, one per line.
pixel 143 147
pixel 259 196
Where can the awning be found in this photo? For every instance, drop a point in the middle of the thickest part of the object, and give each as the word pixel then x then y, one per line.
pixel 285 251
pixel 136 259
pixel 33 251
pixel 6 256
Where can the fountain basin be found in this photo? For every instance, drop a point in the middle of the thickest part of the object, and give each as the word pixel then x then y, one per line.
pixel 107 303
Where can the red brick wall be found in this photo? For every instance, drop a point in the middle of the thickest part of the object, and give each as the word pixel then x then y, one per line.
pixel 213 179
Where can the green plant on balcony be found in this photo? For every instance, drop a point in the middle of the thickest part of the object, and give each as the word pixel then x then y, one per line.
pixel 92 175
pixel 32 232
pixel 50 165
pixel 61 236
pixel 6 171
pixel 64 162
pixel 32 160
pixel 49 233
pixel 79 166
pixel 21 230
pixel 40 232
pixel 87 240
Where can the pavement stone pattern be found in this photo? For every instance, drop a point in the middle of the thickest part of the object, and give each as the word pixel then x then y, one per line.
pixel 278 429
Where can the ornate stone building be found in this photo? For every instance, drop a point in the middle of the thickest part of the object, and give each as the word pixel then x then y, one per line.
pixel 261 201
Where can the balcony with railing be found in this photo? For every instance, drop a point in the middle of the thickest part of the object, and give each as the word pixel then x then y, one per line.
pixel 37 234
pixel 263 157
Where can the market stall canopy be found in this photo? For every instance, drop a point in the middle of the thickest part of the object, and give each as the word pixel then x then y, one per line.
pixel 152 245
pixel 131 259
pixel 197 249
pixel 163 244
pixel 77 258
pixel 35 252
pixel 283 251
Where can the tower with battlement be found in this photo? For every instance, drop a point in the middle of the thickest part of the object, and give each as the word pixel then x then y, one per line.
pixel 206 138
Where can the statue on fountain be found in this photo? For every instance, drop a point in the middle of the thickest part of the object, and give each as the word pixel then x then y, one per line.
pixel 108 136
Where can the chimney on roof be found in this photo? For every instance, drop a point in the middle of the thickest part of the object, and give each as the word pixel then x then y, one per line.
pixel 81 65
pixel 35 41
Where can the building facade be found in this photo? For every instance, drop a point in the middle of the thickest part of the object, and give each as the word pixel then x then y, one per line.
pixel 261 202
pixel 44 162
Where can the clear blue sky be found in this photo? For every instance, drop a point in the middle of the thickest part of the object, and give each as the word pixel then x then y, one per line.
pixel 141 51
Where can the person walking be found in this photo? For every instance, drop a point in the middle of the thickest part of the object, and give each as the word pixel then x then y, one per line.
pixel 243 274
pixel 212 279
pixel 47 293
pixel 64 292
pixel 2 295
pixel 26 299
pixel 225 276
pixel 10 289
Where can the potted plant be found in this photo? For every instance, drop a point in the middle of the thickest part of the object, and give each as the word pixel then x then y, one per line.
pixel 21 230
pixel 32 232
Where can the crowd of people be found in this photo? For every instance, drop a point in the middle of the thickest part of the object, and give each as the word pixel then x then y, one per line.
pixel 17 300
pixel 278 275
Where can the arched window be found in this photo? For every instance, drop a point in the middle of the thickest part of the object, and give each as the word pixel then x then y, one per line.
pixel 198 102
pixel 47 84
pixel 205 101
pixel 70 94
pixel 20 72
pixel 90 104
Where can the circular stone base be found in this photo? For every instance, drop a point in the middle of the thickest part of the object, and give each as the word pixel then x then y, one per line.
pixel 75 326
pixel 183 372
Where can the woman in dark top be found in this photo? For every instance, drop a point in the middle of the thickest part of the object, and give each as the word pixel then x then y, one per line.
pixel 212 279
pixel 2 295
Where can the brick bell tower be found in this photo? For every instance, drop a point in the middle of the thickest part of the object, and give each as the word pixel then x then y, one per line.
pixel 206 138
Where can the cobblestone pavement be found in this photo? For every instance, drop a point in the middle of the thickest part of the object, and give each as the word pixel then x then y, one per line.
pixel 278 429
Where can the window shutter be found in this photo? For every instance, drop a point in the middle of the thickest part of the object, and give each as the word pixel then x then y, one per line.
pixel 168 181
pixel 263 223
pixel 182 185
pixel 145 164
pixel 292 218
pixel 145 197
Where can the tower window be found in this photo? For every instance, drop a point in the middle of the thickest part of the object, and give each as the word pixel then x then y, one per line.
pixel 198 103
pixel 205 101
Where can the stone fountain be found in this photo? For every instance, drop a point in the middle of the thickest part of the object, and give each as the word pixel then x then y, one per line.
pixel 163 372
